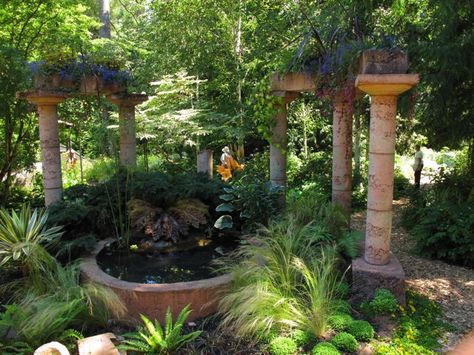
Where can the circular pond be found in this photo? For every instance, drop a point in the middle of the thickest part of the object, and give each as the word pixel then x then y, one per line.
pixel 190 262
pixel 154 293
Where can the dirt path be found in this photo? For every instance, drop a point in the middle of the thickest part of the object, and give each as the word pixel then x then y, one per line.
pixel 451 286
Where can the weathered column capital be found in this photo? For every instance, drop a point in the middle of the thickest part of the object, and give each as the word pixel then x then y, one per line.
pixel 125 99
pixel 293 82
pixel 287 96
pixel 386 84
pixel 44 98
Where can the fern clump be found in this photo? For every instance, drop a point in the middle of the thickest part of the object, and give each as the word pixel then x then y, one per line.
pixel 345 342
pixel 340 322
pixel 282 346
pixel 153 339
pixel 325 348
pixel 361 330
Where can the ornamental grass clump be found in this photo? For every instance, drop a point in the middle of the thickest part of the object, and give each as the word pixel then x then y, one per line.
pixel 282 346
pixel 345 342
pixel 361 330
pixel 281 283
pixel 325 348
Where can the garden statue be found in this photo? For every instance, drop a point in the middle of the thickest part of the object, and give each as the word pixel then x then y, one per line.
pixel 228 164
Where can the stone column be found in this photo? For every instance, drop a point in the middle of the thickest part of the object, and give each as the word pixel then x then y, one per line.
pixel 342 154
pixel 279 141
pixel 128 146
pixel 49 142
pixel 379 268
pixel 205 162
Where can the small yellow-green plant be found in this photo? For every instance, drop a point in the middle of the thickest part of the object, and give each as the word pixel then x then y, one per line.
pixel 345 342
pixel 361 330
pixel 282 346
pixel 384 302
pixel 302 337
pixel 340 321
pixel 325 348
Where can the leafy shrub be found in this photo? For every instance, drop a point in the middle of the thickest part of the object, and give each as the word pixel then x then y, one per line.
pixel 247 204
pixel 384 302
pixel 339 322
pixel 153 339
pixel 96 210
pixel 282 346
pixel 361 330
pixel 302 337
pixel 401 185
pixel 345 342
pixel 325 348
pixel 441 219
pixel 317 168
pixel 446 232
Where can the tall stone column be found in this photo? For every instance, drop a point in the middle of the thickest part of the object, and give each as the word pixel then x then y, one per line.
pixel 279 144
pixel 49 142
pixel 379 268
pixel 279 141
pixel 128 146
pixel 205 162
pixel 342 154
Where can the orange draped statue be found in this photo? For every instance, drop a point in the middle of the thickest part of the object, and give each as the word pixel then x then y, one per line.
pixel 228 164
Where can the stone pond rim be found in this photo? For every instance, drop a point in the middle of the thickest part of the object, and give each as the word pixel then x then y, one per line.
pixel 153 300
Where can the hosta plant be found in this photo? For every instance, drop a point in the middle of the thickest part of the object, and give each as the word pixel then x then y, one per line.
pixel 153 339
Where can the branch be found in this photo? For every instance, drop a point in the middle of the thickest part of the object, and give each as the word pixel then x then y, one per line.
pixel 25 24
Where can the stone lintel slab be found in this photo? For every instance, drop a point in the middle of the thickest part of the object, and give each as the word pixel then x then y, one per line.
pixel 127 99
pixel 386 84
pixel 381 61
pixel 296 82
pixel 366 278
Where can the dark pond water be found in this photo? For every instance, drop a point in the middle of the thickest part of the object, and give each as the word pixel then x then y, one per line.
pixel 191 264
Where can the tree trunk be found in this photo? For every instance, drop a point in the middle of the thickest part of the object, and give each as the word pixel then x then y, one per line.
pixel 238 53
pixel 104 15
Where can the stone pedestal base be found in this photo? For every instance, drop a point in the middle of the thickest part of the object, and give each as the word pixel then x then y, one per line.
pixel 366 278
